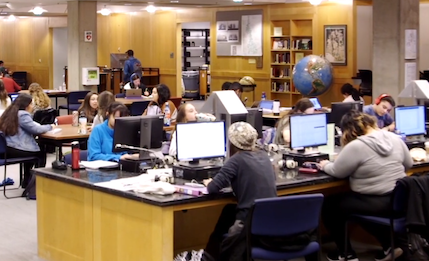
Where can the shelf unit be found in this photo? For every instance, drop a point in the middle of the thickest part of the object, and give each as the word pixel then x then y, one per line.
pixel 288 45
pixel 196 48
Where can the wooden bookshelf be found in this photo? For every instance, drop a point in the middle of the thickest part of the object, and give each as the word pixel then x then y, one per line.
pixel 291 39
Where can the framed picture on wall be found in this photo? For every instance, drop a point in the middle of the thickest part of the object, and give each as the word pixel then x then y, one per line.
pixel 336 44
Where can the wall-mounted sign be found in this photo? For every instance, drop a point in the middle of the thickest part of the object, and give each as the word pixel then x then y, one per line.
pixel 88 36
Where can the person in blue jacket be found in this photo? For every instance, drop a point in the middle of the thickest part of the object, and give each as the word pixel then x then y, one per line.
pixel 100 143
pixel 131 65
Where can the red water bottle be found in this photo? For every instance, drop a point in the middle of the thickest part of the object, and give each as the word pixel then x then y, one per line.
pixel 75 155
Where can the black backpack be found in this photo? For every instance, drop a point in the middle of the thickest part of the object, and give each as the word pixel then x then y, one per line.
pixel 137 68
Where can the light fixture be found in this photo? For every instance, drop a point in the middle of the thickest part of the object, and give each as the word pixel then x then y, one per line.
pixel 105 11
pixel 315 2
pixel 37 10
pixel 237 1
pixel 151 8
pixel 11 18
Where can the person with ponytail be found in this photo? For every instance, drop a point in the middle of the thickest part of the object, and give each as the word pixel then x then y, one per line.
pixel 19 129
pixel 350 94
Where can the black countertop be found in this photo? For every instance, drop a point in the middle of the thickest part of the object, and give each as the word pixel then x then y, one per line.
pixel 87 178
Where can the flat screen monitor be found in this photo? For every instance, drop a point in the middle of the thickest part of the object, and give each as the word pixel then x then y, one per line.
pixel 308 130
pixel 266 105
pixel 339 109
pixel 254 118
pixel 126 132
pixel 200 140
pixel 13 97
pixel 152 131
pixel 410 120
pixel 316 103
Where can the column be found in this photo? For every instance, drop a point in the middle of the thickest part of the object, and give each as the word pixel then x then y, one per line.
pixel 390 20
pixel 81 17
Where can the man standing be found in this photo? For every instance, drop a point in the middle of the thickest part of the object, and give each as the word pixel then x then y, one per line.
pixel 131 65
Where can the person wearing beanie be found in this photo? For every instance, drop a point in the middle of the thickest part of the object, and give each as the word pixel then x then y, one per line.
pixel 250 174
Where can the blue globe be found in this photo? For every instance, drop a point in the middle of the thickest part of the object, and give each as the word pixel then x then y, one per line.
pixel 312 75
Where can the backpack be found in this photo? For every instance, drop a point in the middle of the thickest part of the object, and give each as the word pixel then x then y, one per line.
pixel 137 68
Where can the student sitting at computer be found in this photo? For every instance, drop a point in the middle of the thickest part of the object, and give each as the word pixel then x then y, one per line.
pixel 135 83
pixel 89 106
pixel 373 160
pixel 19 128
pixel 100 142
pixel 282 135
pixel 186 113
pixel 250 174
pixel 350 94
pixel 381 109
pixel 4 98
pixel 104 100
pixel 161 96
pixel 40 99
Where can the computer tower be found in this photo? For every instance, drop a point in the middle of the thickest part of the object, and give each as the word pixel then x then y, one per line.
pixel 254 118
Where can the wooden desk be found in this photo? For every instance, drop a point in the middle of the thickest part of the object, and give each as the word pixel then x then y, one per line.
pixel 128 102
pixel 272 116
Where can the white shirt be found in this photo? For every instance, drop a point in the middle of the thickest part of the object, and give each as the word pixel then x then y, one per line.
pixel 127 86
pixel 350 99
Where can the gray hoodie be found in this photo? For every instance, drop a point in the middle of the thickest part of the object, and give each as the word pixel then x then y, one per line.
pixel 374 162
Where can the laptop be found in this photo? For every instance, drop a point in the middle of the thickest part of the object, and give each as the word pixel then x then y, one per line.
pixel 133 93
pixel 268 105
pixel 13 96
pixel 316 103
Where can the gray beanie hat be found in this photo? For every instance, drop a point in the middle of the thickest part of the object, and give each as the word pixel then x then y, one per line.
pixel 242 135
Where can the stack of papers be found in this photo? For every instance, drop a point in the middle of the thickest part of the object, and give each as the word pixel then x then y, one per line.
pixel 97 164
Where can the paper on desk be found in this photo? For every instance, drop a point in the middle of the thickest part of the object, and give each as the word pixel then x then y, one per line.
pixel 124 184
pixel 99 164
pixel 56 130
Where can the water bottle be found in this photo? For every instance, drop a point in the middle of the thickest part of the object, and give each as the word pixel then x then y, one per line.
pixel 167 115
pixel 263 96
pixel 75 155
pixel 82 122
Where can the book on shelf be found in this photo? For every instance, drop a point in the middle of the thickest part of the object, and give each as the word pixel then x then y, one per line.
pixel 305 44
pixel 280 73
pixel 298 57
pixel 281 44
pixel 278 31
pixel 280 87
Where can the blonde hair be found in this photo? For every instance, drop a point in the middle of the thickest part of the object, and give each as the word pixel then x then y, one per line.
pixel 40 98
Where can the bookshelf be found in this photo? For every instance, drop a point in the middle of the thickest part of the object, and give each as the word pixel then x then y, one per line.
pixel 291 40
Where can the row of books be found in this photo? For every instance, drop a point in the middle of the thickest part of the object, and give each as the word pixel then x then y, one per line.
pixel 282 58
pixel 302 44
pixel 280 72
pixel 280 87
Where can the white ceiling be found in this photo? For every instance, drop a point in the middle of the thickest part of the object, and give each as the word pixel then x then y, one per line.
pixel 59 7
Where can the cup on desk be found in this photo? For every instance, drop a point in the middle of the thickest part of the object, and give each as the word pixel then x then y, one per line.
pixel 276 107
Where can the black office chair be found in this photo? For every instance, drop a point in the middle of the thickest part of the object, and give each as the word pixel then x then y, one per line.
pixel 365 87
pixel 137 108
pixel 46 116
pixel 21 79
pixel 73 103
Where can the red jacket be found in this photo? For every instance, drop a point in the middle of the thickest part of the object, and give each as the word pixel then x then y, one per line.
pixel 10 85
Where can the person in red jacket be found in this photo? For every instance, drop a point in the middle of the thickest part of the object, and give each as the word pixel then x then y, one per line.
pixel 9 84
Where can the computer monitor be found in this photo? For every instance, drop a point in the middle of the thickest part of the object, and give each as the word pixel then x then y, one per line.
pixel 316 103
pixel 339 109
pixel 410 120
pixel 152 131
pixel 200 140
pixel 266 105
pixel 308 130
pixel 13 97
pixel 126 132
pixel 254 118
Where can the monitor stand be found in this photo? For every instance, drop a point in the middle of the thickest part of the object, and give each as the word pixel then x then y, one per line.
pixel 195 170
pixel 196 164
pixel 416 141
pixel 302 156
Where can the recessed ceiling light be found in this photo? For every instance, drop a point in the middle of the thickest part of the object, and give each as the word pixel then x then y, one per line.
pixel 11 18
pixel 151 8
pixel 174 1
pixel 37 10
pixel 237 1
pixel 105 11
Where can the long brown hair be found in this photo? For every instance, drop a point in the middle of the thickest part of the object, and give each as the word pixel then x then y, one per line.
pixel 86 107
pixel 355 124
pixel 181 113
pixel 40 98
pixel 104 100
pixel 9 121
pixel 300 107
pixel 3 93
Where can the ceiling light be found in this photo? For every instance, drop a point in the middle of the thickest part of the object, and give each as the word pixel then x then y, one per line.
pixel 37 10
pixel 237 1
pixel 151 8
pixel 11 18
pixel 174 1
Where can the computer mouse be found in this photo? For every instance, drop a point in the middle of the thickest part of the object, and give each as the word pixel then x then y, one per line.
pixel 60 165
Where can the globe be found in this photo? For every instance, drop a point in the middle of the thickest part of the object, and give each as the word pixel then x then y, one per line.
pixel 312 75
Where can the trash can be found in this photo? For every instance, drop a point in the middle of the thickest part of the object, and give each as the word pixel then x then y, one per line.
pixel 192 85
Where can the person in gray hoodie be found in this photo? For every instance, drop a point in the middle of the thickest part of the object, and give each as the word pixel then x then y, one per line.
pixel 373 160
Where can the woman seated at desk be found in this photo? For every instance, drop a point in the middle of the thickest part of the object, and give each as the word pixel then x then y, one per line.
pixel 89 106
pixel 104 100
pixel 374 160
pixel 250 174
pixel 186 113
pixel 350 94
pixel 100 142
pixel 135 83
pixel 40 98
pixel 19 128
pixel 161 97
pixel 4 98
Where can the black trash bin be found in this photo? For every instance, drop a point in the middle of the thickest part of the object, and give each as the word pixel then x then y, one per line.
pixel 192 84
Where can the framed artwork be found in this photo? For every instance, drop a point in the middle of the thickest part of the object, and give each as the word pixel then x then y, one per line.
pixel 336 44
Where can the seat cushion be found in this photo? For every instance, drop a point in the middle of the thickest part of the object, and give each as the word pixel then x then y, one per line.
pixel 398 223
pixel 260 253
pixel 11 161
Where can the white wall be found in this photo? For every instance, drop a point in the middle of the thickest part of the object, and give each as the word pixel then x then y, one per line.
pixel 424 38
pixel 59 54
pixel 364 37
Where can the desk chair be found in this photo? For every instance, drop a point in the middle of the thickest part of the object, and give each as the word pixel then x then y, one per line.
pixel 365 87
pixel 4 161
pixel 396 222
pixel 137 108
pixel 65 119
pixel 73 103
pixel 46 116
pixel 120 95
pixel 283 217
pixel 83 156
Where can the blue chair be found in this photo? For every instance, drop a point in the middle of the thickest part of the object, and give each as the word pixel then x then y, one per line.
pixel 138 107
pixel 4 161
pixel 120 95
pixel 283 217
pixel 396 222
pixel 83 156
pixel 73 103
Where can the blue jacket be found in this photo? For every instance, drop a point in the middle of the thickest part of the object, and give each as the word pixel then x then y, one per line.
pixel 24 138
pixel 100 144
pixel 129 68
